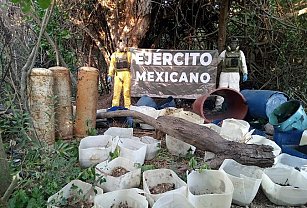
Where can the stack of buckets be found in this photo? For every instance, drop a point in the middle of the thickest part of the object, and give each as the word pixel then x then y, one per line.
pixel 288 118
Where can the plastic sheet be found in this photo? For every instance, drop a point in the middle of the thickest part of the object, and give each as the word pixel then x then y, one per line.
pixel 213 126
pixel 146 101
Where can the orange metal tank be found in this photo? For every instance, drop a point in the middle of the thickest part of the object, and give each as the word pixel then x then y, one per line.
pixel 63 106
pixel 87 97
pixel 236 105
pixel 41 103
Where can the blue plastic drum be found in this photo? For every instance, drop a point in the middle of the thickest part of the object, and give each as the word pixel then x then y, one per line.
pixel 289 116
pixel 261 103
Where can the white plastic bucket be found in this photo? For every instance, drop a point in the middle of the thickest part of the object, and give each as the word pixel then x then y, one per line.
pixel 284 186
pixel 153 146
pixel 120 132
pixel 303 140
pixel 174 145
pixel 173 201
pixel 235 130
pixel 178 147
pixel 291 162
pixel 189 116
pixel 94 149
pixel 209 188
pixel 149 111
pixel 152 178
pixel 73 189
pixel 246 180
pixel 128 197
pixel 213 126
pixel 130 179
pixel 132 150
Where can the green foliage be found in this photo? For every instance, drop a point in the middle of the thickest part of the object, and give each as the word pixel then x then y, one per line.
pixel 189 154
pixel 192 163
pixel 26 4
pixel 45 171
pixel 91 131
pixel 147 167
pixel 274 43
pixel 88 175
pixel 16 124
pixel 44 4
pixel 115 154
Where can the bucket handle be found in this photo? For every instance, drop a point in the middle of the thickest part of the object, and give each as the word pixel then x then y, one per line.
pixel 297 125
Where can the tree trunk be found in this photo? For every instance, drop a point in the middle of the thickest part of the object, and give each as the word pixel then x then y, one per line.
pixel 5 178
pixel 204 139
pixel 129 18
pixel 224 8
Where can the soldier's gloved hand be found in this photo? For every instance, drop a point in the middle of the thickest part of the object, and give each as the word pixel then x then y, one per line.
pixel 109 79
pixel 244 77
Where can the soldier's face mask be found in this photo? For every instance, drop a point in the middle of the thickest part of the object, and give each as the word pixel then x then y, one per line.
pixel 234 46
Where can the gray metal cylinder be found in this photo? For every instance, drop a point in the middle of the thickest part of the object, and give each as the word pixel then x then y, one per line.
pixel 87 97
pixel 41 103
pixel 63 106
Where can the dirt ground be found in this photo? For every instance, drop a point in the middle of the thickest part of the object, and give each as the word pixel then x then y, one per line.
pixel 180 165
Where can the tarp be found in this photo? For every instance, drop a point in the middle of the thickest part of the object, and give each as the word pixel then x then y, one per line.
pixel 178 73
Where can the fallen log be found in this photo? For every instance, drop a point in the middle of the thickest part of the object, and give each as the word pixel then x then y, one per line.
pixel 204 139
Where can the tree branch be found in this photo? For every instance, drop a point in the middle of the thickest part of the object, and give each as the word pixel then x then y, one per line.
pixel 59 56
pixel 31 60
pixel 103 50
pixel 203 138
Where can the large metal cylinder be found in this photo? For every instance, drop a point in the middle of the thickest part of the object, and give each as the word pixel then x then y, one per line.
pixel 41 103
pixel 63 106
pixel 261 103
pixel 236 105
pixel 87 97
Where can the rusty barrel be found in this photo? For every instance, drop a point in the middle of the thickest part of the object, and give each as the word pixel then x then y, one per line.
pixel 41 103
pixel 63 106
pixel 86 101
pixel 236 106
